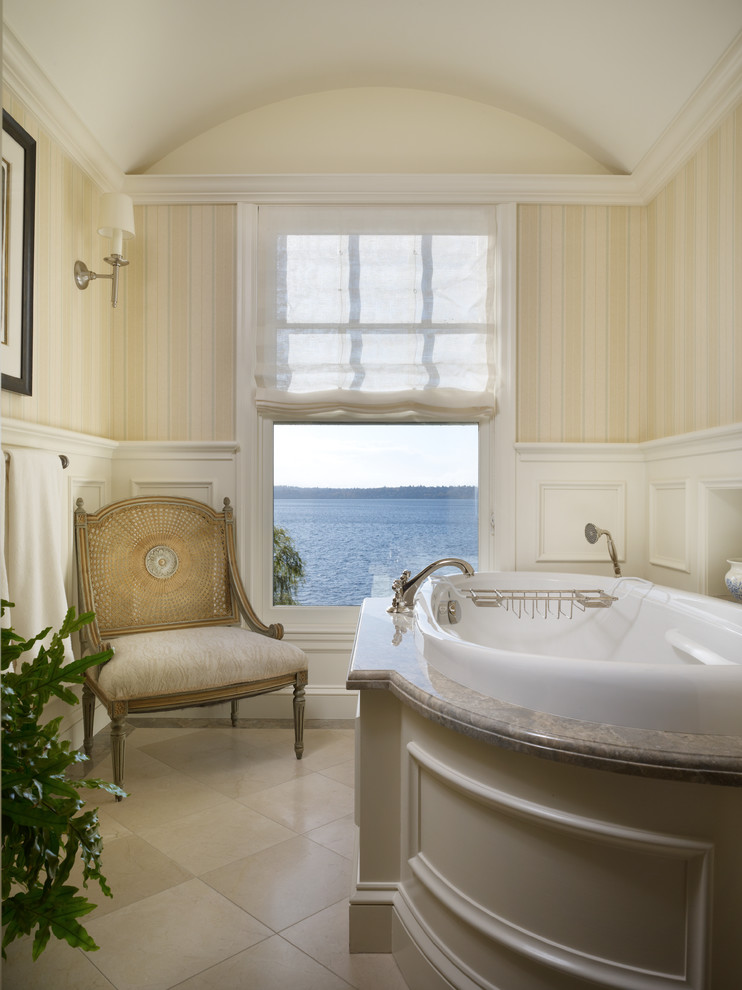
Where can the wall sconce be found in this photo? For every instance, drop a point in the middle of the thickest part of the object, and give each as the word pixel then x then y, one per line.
pixel 117 222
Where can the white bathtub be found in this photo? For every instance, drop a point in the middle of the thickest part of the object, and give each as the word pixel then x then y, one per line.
pixel 657 658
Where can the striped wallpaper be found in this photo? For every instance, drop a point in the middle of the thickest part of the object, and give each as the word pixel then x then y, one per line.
pixel 582 340
pixel 629 318
pixel 174 351
pixel 694 242
pixel 71 361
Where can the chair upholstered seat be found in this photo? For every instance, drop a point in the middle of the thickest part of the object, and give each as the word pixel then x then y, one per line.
pixel 160 575
pixel 176 661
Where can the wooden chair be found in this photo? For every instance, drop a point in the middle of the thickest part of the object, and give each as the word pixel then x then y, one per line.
pixel 161 577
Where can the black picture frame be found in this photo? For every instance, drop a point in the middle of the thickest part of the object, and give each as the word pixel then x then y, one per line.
pixel 17 256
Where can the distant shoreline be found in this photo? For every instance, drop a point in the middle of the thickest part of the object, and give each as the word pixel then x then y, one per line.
pixel 406 491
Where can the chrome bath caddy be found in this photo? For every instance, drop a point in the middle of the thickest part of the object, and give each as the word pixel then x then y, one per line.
pixel 532 602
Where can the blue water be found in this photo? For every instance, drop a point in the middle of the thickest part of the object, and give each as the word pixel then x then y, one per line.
pixel 354 548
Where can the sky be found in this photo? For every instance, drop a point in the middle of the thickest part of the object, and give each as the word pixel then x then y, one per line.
pixel 350 455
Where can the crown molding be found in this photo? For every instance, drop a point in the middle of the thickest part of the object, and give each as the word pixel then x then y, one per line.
pixel 718 95
pixel 24 77
pixel 383 189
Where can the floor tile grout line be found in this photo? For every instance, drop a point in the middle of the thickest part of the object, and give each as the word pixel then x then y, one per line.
pixel 271 931
pixel 200 782
pixel 137 829
pixel 316 961
pixel 233 955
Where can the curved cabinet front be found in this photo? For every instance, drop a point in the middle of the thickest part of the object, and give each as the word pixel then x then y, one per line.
pixel 506 849
pixel 528 887
pixel 498 869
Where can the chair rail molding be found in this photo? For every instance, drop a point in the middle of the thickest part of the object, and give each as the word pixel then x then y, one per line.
pixel 18 433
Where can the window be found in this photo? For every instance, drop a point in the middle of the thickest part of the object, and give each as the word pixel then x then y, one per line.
pixel 354 505
pixel 378 317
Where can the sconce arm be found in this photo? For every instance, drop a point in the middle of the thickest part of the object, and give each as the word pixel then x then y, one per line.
pixel 83 275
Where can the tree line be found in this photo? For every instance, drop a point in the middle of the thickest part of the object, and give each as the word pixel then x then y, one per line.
pixel 403 491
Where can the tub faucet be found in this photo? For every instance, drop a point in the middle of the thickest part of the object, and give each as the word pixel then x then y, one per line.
pixel 405 586
pixel 592 535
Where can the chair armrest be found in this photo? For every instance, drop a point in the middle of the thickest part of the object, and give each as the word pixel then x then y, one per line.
pixel 275 630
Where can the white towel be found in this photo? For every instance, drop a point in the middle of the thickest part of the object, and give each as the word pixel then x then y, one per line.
pixel 33 549
pixel 4 593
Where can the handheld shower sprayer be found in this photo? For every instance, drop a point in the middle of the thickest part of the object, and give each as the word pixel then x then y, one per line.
pixel 593 534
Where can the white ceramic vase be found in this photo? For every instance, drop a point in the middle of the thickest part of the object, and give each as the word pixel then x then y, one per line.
pixel 733 578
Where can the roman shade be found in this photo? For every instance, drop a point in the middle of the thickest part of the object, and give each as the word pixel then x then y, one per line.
pixel 366 312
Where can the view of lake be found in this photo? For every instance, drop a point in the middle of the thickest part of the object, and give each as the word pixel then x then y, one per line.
pixel 353 548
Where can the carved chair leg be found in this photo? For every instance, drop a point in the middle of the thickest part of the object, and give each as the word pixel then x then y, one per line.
pixel 298 719
pixel 88 718
pixel 235 710
pixel 118 744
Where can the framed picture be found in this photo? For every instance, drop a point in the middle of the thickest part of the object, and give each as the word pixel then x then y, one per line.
pixel 16 285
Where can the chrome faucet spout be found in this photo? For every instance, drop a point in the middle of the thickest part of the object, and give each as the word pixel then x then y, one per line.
pixel 406 586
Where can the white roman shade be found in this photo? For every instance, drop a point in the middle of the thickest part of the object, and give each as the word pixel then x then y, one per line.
pixel 366 312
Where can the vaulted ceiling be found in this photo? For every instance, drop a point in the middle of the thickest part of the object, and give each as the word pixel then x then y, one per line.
pixel 145 76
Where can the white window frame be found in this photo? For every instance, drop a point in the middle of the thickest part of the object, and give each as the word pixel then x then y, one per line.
pixel 254 433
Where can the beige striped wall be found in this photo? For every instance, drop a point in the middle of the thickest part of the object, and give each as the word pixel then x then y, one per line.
pixel 160 366
pixel 71 335
pixel 629 322
pixel 694 240
pixel 630 318
pixel 173 359
pixel 582 340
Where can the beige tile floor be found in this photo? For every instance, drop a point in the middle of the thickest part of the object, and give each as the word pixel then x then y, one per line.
pixel 230 865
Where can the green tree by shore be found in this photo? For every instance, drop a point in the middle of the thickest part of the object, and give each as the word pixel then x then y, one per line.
pixel 288 568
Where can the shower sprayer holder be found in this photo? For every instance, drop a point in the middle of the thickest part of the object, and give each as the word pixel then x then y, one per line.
pixel 593 534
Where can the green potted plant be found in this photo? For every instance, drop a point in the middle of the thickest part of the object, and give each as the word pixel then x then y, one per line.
pixel 43 824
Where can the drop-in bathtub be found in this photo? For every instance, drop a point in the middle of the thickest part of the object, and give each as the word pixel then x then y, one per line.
pixel 638 655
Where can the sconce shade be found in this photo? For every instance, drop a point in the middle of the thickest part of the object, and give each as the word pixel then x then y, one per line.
pixel 116 219
pixel 116 214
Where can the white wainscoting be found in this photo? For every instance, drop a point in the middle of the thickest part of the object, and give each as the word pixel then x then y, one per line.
pixel 673 507
pixel 562 487
pixel 186 469
pixel 669 524
pixel 564 505
pixel 709 465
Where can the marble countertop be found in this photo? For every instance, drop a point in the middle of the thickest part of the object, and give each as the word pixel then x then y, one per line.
pixel 384 658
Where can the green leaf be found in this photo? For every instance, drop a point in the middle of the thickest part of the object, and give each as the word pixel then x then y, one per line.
pixel 56 909
pixel 45 828
pixel 24 813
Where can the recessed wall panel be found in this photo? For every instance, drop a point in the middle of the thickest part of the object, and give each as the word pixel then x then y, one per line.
pixel 564 511
pixel 668 525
